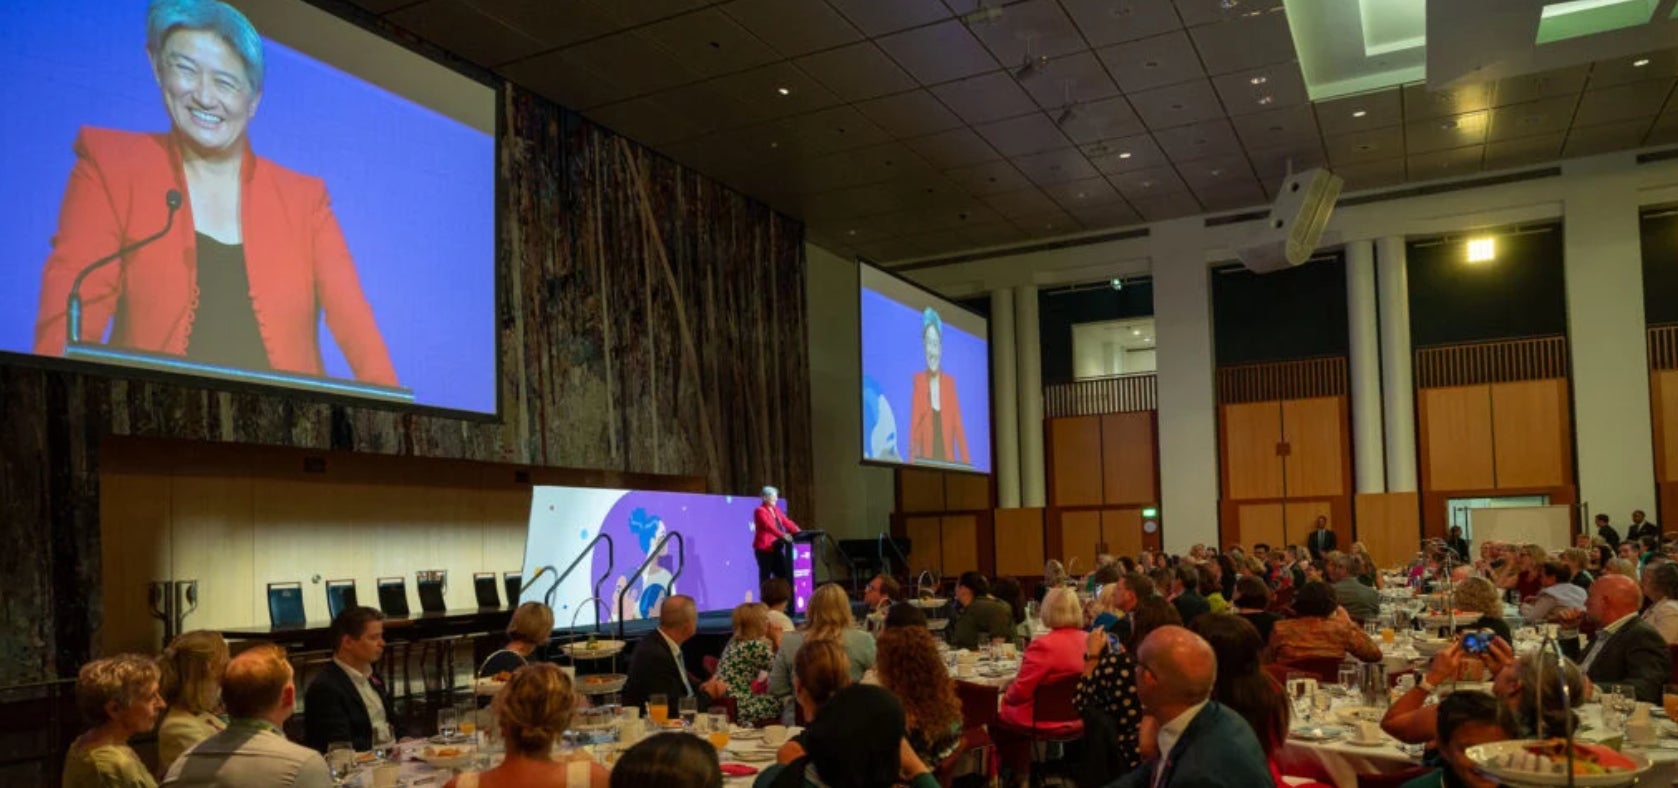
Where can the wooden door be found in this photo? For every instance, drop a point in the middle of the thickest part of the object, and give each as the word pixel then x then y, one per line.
pixel 1663 397
pixel 1530 434
pixel 961 544
pixel 1127 458
pixel 1076 453
pixel 1080 533
pixel 1121 531
pixel 1301 519
pixel 1314 430
pixel 1456 433
pixel 1019 541
pixel 1260 522
pixel 1251 433
pixel 926 544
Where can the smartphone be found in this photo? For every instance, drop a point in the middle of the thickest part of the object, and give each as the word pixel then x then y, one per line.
pixel 1478 641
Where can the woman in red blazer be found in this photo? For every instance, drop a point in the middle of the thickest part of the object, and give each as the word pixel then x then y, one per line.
pixel 935 427
pixel 254 257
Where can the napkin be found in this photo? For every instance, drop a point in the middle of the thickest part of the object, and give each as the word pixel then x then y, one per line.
pixel 738 770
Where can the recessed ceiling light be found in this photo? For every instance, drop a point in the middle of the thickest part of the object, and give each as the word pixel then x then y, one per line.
pixel 1217 172
pixel 1266 100
pixel 1124 155
pixel 774 144
pixel 1448 125
pixel 784 91
pixel 1147 184
pixel 1136 332
pixel 1640 62
pixel 1358 113
pixel 1079 195
pixel 1260 80
pixel 850 232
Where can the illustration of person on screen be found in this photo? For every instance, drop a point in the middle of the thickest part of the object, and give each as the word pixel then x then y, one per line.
pixel 879 425
pixel 935 427
pixel 253 255
pixel 649 589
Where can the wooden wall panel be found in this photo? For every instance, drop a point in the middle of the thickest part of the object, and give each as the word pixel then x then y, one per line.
pixel 215 527
pixel 1080 533
pixel 1019 542
pixel 920 490
pixel 1301 517
pixel 1260 522
pixel 1128 453
pixel 135 512
pixel 1389 525
pixel 1121 531
pixel 926 544
pixel 1076 447
pixel 1456 437
pixel 961 544
pixel 1250 434
pixel 1663 397
pixel 1315 430
pixel 1531 439
pixel 966 492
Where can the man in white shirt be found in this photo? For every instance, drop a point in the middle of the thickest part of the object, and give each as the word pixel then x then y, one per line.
pixel 347 701
pixel 1660 585
pixel 1627 649
pixel 1202 743
pixel 259 695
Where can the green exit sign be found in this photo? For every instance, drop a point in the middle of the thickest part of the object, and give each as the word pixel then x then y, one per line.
pixel 1150 512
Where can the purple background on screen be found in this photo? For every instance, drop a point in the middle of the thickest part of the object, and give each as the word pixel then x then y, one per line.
pixel 717 530
pixel 414 191
pixel 892 353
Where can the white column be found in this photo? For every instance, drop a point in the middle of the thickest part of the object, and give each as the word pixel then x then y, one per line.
pixel 1029 355
pixel 1368 447
pixel 1398 389
pixel 1188 416
pixel 1005 390
pixel 1607 338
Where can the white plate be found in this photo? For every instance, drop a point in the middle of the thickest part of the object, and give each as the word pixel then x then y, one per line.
pixel 1485 755
pixel 746 733
pixel 1370 743
pixel 600 649
pixel 445 761
pixel 934 601
pixel 1319 733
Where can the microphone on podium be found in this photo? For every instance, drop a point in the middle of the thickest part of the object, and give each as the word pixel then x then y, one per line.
pixel 73 310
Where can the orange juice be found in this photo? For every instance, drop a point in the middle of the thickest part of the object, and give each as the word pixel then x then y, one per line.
pixel 468 727
pixel 659 714
pixel 1387 635
pixel 1670 703
pixel 719 739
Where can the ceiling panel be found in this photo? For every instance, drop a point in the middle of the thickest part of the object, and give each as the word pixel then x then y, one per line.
pixel 1079 78
pixel 1029 30
pixel 939 53
pixel 1365 146
pixel 1017 203
pixel 1533 118
pixel 1112 214
pixel 879 17
pixel 1144 184
pixel 985 98
pixel 1502 154
pixel 1279 127
pixel 1421 103
pixel 910 114
pixel 1126 154
pixel 1213 174
pixel 1047 225
pixel 1177 105
pixel 1244 193
pixel 633 61
pixel 1153 62
pixel 1435 134
pixel 1362 112
pixel 1243 43
pixel 1543 85
pixel 1105 22
pixel 1262 89
pixel 1083 193
pixel 792 27
pixel 1270 164
pixel 761 90
pixel 1206 12
pixel 1159 207
pixel 642 12
pixel 1622 102
pixel 1025 134
pixel 1102 120
pixel 707 42
pixel 1208 139
pixel 568 78
pixel 856 72
pixel 953 148
pixel 462 29
pixel 1445 163
pixel 1371 174
pixel 1591 140
pixel 1649 65
pixel 834 129
pixel 1046 169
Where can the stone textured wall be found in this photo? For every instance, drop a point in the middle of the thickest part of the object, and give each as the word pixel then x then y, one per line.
pixel 650 321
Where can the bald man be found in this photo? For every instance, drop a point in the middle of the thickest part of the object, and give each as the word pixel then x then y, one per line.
pixel 1626 649
pixel 656 667
pixel 1204 743
pixel 253 751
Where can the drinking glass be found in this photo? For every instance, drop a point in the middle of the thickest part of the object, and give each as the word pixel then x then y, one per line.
pixel 1669 701
pixel 1348 678
pixel 689 709
pixel 1299 689
pixel 658 709
pixel 466 713
pixel 383 744
pixel 719 728
pixel 1322 703
pixel 448 723
pixel 340 757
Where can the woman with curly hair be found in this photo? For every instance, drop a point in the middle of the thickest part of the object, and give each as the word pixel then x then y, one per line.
pixel 532 713
pixel 909 666
pixel 118 696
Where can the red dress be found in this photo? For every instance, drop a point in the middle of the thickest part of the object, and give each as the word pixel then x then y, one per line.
pixel 298 263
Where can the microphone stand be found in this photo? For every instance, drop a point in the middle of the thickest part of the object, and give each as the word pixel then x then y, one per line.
pixel 73 305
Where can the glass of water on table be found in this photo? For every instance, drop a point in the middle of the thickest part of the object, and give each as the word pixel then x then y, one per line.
pixel 689 709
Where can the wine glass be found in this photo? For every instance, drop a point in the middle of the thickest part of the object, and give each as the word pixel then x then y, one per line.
pixel 1348 678
pixel 1322 703
pixel 340 758
pixel 689 709
pixel 719 728
pixel 1299 689
pixel 383 743
pixel 448 723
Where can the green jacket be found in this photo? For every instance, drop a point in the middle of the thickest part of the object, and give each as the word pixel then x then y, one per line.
pixel 988 617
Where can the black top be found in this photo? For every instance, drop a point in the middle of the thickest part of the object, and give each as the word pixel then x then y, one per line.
pixel 938 434
pixel 337 713
pixel 1264 621
pixel 224 329
pixel 502 661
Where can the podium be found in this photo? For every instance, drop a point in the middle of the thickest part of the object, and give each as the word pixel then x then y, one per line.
pixel 806 550
pixel 181 365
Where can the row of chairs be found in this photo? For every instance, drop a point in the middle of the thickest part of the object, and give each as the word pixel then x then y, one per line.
pixel 285 600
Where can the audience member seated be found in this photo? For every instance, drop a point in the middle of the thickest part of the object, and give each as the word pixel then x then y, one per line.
pixel 118 697
pixel 347 701
pixel 1525 685
pixel 1109 676
pixel 1559 594
pixel 531 626
pixel 777 594
pixel 668 760
pixel 1466 719
pixel 1007 590
pixel 1185 593
pixel 857 742
pixel 1361 602
pixel 1578 561
pixel 1097 578
pixel 881 592
pixel 1624 567
pixel 1118 601
pixel 827 618
pixel 904 614
pixel 1526 574
pixel 190 681
pixel 1200 742
pixel 1321 630
pixel 1053 657
pixel 983 617
pixel 656 667
pixel 1252 602
pixel 1212 588
pixel 1478 595
pixel 253 752
pixel 821 670
pixel 1054 576
pixel 911 669
pixel 1626 648
pixel 747 656
pixel 532 713
pixel 1660 585
pixel 1243 686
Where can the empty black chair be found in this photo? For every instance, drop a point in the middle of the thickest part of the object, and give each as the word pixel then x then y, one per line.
pixel 340 596
pixel 484 588
pixel 285 605
pixel 512 581
pixel 393 597
pixel 432 585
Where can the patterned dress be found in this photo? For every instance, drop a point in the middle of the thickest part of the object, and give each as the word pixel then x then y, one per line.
pixel 742 661
pixel 1112 689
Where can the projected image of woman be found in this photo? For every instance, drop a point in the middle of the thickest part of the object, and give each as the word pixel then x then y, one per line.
pixel 936 431
pixel 254 257
pixel 648 590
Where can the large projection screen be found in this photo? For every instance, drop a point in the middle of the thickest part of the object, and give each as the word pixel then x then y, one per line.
pixel 925 377
pixel 334 221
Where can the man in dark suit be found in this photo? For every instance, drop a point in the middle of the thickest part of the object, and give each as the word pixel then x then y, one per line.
pixel 1203 743
pixel 1185 593
pixel 1641 528
pixel 1607 532
pixel 1321 541
pixel 1459 545
pixel 347 701
pixel 656 668
pixel 1627 650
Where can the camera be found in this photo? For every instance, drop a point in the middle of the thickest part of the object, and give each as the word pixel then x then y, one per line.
pixel 1478 641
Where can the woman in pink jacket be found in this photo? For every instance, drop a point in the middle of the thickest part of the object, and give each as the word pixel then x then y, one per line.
pixel 1053 658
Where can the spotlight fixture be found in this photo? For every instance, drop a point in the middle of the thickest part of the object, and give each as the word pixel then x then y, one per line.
pixel 1067 115
pixel 1124 155
pixel 1640 62
pixel 1482 250
pixel 1116 283
pixel 1031 66
pixel 784 91
pixel 1358 113
pixel 1259 80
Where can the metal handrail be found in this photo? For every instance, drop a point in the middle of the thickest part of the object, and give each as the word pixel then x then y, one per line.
pixel 652 555
pixel 559 577
pixel 885 539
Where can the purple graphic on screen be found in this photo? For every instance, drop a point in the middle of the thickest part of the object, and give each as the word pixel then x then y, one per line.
pixel 716 532
pixel 803 576
pixel 412 190
pixel 893 353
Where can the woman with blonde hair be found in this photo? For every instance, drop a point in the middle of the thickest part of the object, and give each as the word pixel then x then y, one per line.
pixel 1055 657
pixel 911 669
pixel 747 655
pixel 190 682
pixel 1478 595
pixel 532 713
pixel 827 618
pixel 531 626
pixel 118 696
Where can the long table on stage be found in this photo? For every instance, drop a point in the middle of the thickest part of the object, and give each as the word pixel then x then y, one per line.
pixel 454 623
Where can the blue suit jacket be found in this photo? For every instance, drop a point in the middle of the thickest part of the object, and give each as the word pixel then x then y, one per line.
pixel 1217 750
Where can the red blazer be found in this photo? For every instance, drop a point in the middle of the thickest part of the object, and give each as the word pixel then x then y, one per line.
pixel 769 522
pixel 920 420
pixel 298 263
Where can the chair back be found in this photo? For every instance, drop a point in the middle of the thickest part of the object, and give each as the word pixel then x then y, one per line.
pixel 486 590
pixel 393 597
pixel 978 703
pixel 340 596
pixel 1052 702
pixel 972 740
pixel 1325 670
pixel 432 584
pixel 285 605
pixel 511 582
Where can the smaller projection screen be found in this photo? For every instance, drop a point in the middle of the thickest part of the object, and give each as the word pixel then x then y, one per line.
pixel 925 377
